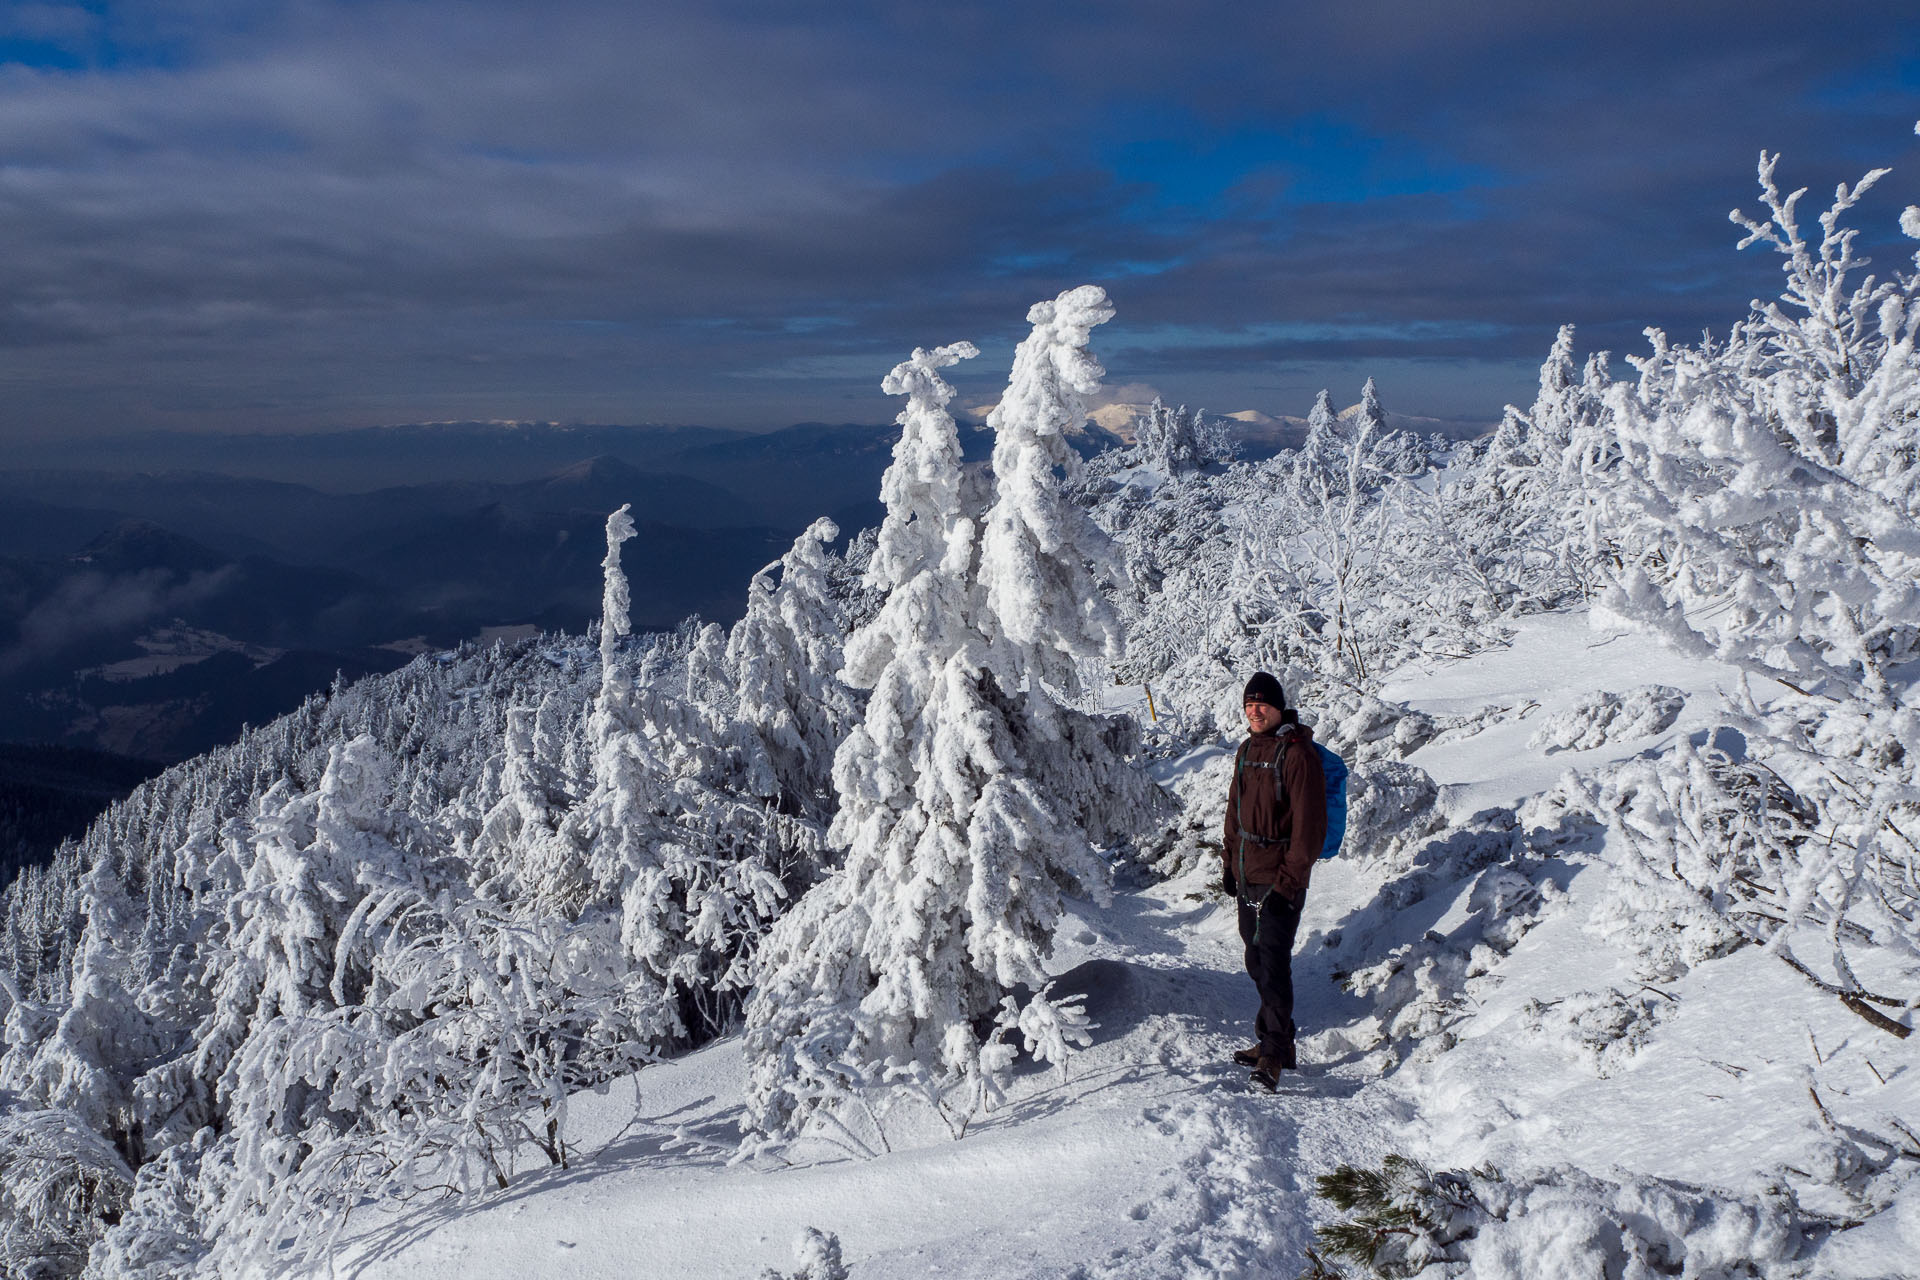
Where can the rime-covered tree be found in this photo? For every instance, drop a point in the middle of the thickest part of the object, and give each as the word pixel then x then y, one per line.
pixel 967 796
pixel 1760 500
pixel 784 656
pixel 816 1025
pixel 696 872
pixel 1323 451
pixel 1178 441
pixel 1521 518
pixel 1039 551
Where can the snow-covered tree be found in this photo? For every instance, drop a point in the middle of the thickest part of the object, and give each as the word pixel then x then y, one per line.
pixel 1760 500
pixel 1178 441
pixel 696 872
pixel 61 1185
pixel 1039 552
pixel 616 597
pixel 967 797
pixel 811 1036
pixel 1322 453
pixel 784 657
pixel 1764 497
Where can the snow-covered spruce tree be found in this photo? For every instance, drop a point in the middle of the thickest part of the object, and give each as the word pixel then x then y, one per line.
pixel 1039 551
pixel 785 659
pixel 812 1041
pixel 968 798
pixel 1322 453
pixel 1179 441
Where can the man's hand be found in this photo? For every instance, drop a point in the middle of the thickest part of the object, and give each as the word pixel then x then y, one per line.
pixel 1229 884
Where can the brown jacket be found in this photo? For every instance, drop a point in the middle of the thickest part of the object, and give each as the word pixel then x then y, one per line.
pixel 1276 812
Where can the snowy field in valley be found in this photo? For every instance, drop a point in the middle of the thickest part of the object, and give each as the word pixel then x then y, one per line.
pixel 1153 1157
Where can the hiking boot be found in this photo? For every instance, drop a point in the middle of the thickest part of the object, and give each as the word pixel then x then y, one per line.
pixel 1248 1057
pixel 1266 1073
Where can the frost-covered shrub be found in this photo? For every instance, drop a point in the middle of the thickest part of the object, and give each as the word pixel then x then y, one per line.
pixel 1707 853
pixel 1337 572
pixel 1601 717
pixel 818 1253
pixel 1363 727
pixel 1762 495
pixel 61 1185
pixel 1601 1028
pixel 1408 1221
pixel 1759 504
pixel 1190 841
pixel 1391 806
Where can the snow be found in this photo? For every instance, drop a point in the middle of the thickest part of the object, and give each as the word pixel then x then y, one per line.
pixel 1127 1167
pixel 1553 662
pixel 1153 1157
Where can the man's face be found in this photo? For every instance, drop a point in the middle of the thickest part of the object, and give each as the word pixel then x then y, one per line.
pixel 1262 718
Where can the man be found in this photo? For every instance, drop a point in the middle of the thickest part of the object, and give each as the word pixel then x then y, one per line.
pixel 1276 825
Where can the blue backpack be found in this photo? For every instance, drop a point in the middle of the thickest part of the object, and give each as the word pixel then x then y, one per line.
pixel 1335 770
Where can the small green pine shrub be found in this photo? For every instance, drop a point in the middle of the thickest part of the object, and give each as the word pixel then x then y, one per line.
pixel 1402 1218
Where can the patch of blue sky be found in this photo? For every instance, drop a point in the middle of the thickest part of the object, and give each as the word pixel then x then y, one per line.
pixel 1055 261
pixel 1030 261
pixel 94 37
pixel 39 55
pixel 1310 160
pixel 1892 78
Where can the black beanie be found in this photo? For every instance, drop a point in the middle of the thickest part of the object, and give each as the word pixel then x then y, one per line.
pixel 1264 688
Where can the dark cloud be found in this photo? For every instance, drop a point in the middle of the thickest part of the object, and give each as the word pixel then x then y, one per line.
pixel 311 214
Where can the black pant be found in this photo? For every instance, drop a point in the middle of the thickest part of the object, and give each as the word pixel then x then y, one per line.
pixel 1268 932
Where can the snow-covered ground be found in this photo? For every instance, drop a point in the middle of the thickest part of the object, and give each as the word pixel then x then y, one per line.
pixel 1154 1157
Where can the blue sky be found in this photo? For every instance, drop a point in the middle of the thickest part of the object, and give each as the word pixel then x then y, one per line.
pixel 284 216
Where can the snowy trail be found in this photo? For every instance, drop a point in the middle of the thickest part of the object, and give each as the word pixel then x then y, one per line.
pixel 1154 1158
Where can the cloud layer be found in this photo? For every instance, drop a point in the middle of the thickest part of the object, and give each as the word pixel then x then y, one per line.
pixel 313 214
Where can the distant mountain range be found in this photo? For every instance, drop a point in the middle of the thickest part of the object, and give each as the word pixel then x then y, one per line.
pixel 152 613
pixel 157 592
